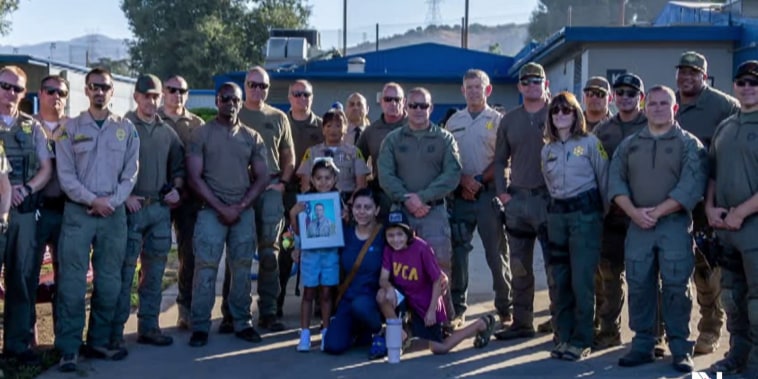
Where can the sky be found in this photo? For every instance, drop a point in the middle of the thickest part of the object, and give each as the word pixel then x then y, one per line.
pixel 58 20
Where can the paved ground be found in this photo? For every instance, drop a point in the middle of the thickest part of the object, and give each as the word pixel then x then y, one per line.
pixel 228 357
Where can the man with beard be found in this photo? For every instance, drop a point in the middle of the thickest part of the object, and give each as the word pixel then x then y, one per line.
pixel 226 165
pixel 97 160
pixel 357 117
pixel 597 96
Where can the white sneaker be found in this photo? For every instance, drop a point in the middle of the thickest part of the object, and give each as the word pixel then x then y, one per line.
pixel 304 345
pixel 323 338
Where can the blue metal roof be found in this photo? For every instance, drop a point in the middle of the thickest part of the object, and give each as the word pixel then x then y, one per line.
pixel 44 62
pixel 568 37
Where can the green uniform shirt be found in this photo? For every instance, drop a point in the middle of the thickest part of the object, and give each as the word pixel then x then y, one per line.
pixel 591 125
pixel 184 125
pixel 95 161
pixel 161 156
pixel 348 159
pixel 612 131
pixel 371 138
pixel 476 138
pixel 228 153
pixel 273 126
pixel 425 162
pixel 650 169
pixel 701 117
pixel 734 159
pixel 305 134
pixel 519 142
pixel 575 166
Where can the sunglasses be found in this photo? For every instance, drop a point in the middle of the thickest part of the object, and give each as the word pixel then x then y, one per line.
pixel 8 87
pixel 254 85
pixel 52 91
pixel 562 109
pixel 392 99
pixel 228 98
pixel 595 93
pixel 746 82
pixel 626 92
pixel 99 86
pixel 173 90
pixel 299 94
pixel 419 105
pixel 528 81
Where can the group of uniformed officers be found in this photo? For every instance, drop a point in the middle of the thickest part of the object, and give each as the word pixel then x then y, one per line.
pixel 106 189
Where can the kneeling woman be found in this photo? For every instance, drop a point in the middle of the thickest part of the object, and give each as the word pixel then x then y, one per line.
pixel 574 165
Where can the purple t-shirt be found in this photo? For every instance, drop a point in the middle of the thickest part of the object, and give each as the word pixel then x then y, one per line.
pixel 413 272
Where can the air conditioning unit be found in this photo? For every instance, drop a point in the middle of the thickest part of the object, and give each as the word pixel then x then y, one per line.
pixel 285 51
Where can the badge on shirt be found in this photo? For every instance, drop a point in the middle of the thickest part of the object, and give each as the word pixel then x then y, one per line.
pixel 579 151
pixel 490 125
pixel 120 134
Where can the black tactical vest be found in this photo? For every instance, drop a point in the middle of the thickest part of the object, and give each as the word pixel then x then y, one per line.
pixel 19 146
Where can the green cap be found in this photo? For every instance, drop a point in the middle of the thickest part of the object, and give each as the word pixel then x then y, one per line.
pixel 694 60
pixel 747 68
pixel 531 69
pixel 598 82
pixel 148 84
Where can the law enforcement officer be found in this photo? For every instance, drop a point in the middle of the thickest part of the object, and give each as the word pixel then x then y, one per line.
pixel 418 167
pixel 394 116
pixel 519 141
pixel 159 184
pixel 273 126
pixel 226 166
pixel 575 168
pixel 183 217
pixel 97 158
pixel 731 204
pixel 53 95
pixel 656 177
pixel 701 109
pixel 306 132
pixel 475 131
pixel 597 96
pixel 357 117
pixel 628 95
pixel 28 152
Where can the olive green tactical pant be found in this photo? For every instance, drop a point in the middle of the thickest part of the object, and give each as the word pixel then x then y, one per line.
pixel 467 216
pixel 574 253
pixel 107 237
pixel 666 249
pixel 149 239
pixel 17 255
pixel 610 291
pixel 48 235
pixel 183 219
pixel 210 239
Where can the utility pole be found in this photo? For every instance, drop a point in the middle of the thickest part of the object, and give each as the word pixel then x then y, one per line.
pixel 465 28
pixel 344 28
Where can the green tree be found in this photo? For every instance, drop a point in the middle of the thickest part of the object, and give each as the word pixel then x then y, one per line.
pixel 198 39
pixel 118 67
pixel 6 8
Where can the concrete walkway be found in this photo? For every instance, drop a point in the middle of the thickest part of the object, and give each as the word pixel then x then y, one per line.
pixel 228 357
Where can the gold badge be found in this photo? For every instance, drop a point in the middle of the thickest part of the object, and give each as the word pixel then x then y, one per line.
pixel 490 125
pixel 579 151
pixel 120 134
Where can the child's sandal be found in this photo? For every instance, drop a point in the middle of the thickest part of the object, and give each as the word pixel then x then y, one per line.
pixel 483 338
pixel 378 348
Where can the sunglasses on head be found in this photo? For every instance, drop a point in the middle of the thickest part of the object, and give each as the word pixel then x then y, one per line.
pixel 99 86
pixel 173 90
pixel 299 94
pixel 626 92
pixel 52 91
pixel 419 105
pixel 594 93
pixel 254 85
pixel 392 99
pixel 562 109
pixel 532 80
pixel 8 87
pixel 228 98
pixel 746 82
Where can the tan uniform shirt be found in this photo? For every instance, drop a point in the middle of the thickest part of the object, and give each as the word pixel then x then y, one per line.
pixel 703 116
pixel 161 156
pixel 519 141
pixel 574 166
pixel 305 134
pixel 476 138
pixel 370 141
pixel 95 161
pixel 227 155
pixel 273 126
pixel 184 125
pixel 348 159
pixel 53 187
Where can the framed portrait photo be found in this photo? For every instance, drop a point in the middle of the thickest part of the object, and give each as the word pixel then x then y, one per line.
pixel 321 221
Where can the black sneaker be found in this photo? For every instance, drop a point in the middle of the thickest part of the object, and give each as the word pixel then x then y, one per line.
pixel 155 338
pixel 515 332
pixel 226 327
pixel 271 324
pixel 249 335
pixel 198 339
pixel 683 363
pixel 636 358
pixel 68 363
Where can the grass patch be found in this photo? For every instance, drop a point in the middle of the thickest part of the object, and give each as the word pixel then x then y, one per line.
pixel 12 369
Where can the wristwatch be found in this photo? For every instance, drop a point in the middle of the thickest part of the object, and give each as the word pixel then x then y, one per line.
pixel 28 189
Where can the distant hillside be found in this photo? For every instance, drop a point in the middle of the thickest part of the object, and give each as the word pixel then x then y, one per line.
pixel 74 51
pixel 510 38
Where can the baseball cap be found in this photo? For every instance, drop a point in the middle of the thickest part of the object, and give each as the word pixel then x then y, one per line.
pixel 747 68
pixel 148 83
pixel 629 80
pixel 398 219
pixel 338 105
pixel 531 69
pixel 598 82
pixel 694 60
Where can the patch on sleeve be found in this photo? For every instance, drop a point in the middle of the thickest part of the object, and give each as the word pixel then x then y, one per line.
pixel 601 150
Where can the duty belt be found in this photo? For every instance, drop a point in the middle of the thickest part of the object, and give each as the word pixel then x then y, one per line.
pixel 529 191
pixel 587 201
pixel 149 200
pixel 54 203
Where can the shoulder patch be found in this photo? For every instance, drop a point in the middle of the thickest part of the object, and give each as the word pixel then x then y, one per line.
pixel 601 150
pixel 307 154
